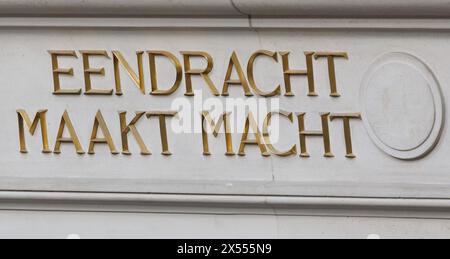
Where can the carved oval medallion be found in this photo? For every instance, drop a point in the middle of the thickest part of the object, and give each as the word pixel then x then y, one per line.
pixel 402 106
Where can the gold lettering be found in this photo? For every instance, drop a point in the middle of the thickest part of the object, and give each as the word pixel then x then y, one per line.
pixel 138 81
pixel 88 71
pixel 57 71
pixel 100 122
pixel 235 63
pixel 347 130
pixel 131 127
pixel 251 77
pixel 266 134
pixel 331 68
pixel 204 73
pixel 207 120
pixel 152 55
pixel 39 118
pixel 163 129
pixel 325 134
pixel 251 123
pixel 309 72
pixel 66 122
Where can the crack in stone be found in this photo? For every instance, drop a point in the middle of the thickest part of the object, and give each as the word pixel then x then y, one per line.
pixel 250 21
pixel 237 8
pixel 250 24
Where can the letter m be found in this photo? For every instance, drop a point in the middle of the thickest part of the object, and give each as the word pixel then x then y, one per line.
pixel 225 120
pixel 40 118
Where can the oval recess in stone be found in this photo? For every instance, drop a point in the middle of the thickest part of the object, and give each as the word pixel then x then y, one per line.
pixel 403 106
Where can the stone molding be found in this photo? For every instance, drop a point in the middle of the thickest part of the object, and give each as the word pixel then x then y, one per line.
pixel 230 8
pixel 225 204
